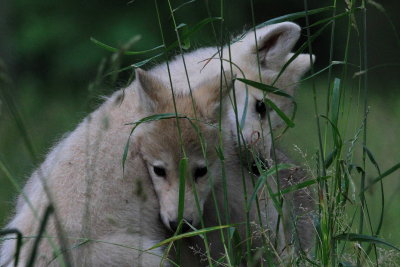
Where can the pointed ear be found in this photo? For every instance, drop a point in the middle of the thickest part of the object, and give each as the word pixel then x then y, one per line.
pixel 210 94
pixel 274 42
pixel 151 91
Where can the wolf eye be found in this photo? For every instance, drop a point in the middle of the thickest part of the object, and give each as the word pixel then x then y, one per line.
pixel 199 172
pixel 160 171
pixel 261 108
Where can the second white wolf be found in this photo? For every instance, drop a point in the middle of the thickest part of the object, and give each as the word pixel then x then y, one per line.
pixel 258 56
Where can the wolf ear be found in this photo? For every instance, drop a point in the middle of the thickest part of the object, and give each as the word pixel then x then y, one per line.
pixel 210 94
pixel 151 90
pixel 301 64
pixel 274 42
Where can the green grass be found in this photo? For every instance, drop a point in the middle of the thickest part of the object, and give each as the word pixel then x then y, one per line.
pixel 353 141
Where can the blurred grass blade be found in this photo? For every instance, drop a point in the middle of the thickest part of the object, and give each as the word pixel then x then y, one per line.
pixel 190 234
pixel 322 70
pixel 265 88
pixel 364 238
pixel 155 117
pixel 185 40
pixel 383 175
pixel 49 210
pixel 244 114
pixel 18 243
pixel 335 102
pixel 330 158
pixel 199 25
pixel 182 181
pixel 322 21
pixel 262 180
pixel 182 5
pixel 337 136
pixel 236 241
pixel 143 62
pixel 5 94
pixel 190 31
pixel 301 49
pixel 294 16
pixel 302 185
pixel 372 159
pixel 281 114
pixel 128 53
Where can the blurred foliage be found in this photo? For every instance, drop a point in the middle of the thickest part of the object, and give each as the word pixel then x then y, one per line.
pixel 51 61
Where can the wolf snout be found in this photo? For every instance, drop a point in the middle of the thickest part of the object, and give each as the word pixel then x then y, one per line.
pixel 263 164
pixel 173 225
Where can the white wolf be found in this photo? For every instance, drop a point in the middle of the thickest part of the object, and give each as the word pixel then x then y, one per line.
pixel 110 215
pixel 259 61
pixel 258 56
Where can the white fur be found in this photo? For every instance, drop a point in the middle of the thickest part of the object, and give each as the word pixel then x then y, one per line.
pixel 204 63
pixel 118 211
pixel 92 196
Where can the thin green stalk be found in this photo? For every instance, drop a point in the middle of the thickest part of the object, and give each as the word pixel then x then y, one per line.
pixel 332 39
pixel 181 188
pixel 220 50
pixel 239 142
pixel 65 260
pixel 273 148
pixel 325 238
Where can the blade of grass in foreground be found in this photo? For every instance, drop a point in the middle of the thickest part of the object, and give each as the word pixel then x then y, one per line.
pixel 383 175
pixel 190 234
pixel 294 16
pixel 187 34
pixel 18 243
pixel 49 211
pixel 364 238
pixel 262 180
pixel 154 117
pixel 302 185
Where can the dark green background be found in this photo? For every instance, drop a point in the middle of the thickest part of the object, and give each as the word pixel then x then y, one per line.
pixel 46 49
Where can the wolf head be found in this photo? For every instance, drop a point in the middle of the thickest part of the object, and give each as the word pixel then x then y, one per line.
pixel 259 61
pixel 163 143
pixel 260 56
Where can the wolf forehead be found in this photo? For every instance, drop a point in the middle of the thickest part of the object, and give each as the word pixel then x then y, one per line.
pixel 165 137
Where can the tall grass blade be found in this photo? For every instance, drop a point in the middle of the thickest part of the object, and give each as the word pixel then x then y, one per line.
pixel 190 234
pixel 34 252
pixel 281 114
pixel 183 163
pixel 364 238
pixel 183 5
pixel 294 16
pixel 18 244
pixel 150 118
pixel 302 185
pixel 265 88
pixel 383 175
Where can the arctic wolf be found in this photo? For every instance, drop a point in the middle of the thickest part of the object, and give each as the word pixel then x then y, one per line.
pixel 258 56
pixel 110 212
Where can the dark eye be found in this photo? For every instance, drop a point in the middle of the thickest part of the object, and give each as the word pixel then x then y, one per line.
pixel 160 171
pixel 261 108
pixel 199 172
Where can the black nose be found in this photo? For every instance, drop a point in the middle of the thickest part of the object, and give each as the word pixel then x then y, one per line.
pixel 185 227
pixel 263 164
